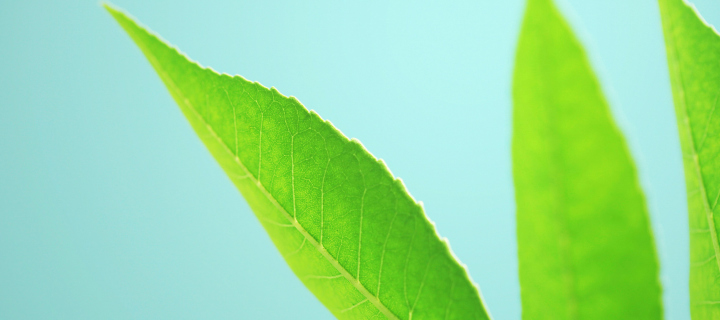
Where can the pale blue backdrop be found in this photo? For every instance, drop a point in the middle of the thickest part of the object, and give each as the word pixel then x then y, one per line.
pixel 111 208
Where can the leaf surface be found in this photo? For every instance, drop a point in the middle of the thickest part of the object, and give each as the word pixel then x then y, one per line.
pixel 584 241
pixel 346 227
pixel 693 53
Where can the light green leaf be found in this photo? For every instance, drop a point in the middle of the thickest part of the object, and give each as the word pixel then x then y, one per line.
pixel 347 228
pixel 693 52
pixel 584 241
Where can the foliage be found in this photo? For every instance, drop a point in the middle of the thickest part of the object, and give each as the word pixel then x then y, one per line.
pixel 356 238
pixel 693 52
pixel 347 228
pixel 584 241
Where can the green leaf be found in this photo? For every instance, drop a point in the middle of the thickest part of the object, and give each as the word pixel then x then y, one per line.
pixel 584 241
pixel 347 228
pixel 693 52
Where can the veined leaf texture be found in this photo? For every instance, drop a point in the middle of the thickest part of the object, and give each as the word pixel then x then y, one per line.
pixel 346 227
pixel 693 53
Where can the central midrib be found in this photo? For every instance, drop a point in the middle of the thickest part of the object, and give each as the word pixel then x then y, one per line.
pixel 561 218
pixel 355 282
pixel 565 240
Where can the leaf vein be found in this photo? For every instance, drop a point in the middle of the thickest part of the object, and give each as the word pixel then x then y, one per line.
pixel 335 263
pixel 685 124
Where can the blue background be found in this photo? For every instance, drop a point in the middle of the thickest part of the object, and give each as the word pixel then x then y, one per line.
pixel 110 207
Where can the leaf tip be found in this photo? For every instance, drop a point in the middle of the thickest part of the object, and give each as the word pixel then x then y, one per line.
pixel 111 8
pixel 118 14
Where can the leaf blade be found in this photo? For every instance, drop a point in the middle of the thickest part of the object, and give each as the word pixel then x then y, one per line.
pixel 582 255
pixel 337 215
pixel 693 50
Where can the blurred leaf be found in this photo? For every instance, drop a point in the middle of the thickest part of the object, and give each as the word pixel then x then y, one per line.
pixel 584 241
pixel 347 228
pixel 693 52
